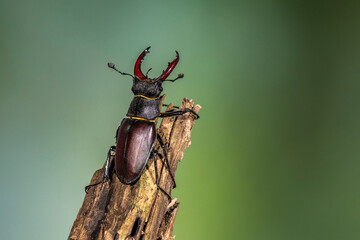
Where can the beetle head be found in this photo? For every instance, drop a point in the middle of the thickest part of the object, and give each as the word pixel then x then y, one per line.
pixel 143 85
pixel 138 73
pixel 151 86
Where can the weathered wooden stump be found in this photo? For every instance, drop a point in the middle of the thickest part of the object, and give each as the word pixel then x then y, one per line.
pixel 115 211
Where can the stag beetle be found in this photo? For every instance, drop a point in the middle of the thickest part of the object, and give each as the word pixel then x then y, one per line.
pixel 136 136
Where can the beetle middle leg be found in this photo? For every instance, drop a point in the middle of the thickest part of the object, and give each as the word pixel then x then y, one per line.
pixel 106 171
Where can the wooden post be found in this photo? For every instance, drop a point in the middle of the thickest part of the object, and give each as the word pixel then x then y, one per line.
pixel 115 211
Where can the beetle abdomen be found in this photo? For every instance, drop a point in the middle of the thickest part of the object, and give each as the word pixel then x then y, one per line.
pixel 134 143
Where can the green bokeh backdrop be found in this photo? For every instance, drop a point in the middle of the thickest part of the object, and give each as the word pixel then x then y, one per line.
pixel 275 155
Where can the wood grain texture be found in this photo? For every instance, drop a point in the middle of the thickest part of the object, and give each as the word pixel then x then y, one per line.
pixel 114 211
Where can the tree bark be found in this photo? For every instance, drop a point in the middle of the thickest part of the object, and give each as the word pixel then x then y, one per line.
pixel 115 211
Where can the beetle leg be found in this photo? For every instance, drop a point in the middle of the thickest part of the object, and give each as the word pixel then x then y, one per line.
pixel 166 158
pixel 166 105
pixel 106 172
pixel 107 165
pixel 157 176
pixel 176 113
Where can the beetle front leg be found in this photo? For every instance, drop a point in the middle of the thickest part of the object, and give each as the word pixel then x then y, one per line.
pixel 177 113
pixel 106 171
pixel 166 105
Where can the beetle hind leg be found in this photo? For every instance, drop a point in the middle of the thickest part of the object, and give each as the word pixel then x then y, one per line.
pixel 157 177
pixel 163 147
pixel 106 172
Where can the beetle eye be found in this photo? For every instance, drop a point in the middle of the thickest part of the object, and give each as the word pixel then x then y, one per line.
pixel 160 88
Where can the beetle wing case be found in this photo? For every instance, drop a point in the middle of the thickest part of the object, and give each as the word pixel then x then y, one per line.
pixel 134 144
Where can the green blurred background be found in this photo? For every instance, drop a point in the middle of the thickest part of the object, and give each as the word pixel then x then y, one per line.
pixel 274 156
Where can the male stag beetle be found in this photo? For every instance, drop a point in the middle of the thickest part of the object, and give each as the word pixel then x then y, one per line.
pixel 136 135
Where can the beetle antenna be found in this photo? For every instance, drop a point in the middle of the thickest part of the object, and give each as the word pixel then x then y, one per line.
pixel 111 65
pixel 181 75
pixel 146 75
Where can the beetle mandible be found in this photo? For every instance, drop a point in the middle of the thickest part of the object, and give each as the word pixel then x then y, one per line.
pixel 136 136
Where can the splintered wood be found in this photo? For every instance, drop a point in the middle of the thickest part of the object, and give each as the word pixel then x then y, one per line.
pixel 115 211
